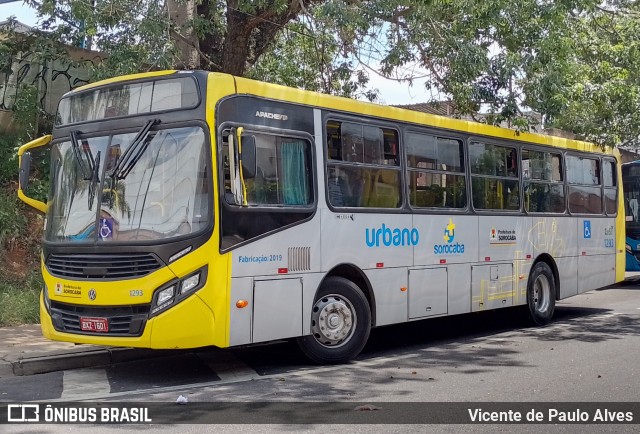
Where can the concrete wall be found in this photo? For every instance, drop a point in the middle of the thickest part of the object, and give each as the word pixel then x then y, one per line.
pixel 52 79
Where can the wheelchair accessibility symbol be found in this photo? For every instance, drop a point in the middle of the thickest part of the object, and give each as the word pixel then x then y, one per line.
pixel 106 228
pixel 587 229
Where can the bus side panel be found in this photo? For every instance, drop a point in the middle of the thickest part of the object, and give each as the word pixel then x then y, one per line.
pixel 521 270
pixel 459 292
pixel 428 292
pixel 264 270
pixel 446 239
pixel 595 271
pixel 504 238
pixel 240 318
pixel 508 239
pixel 367 240
pixel 277 309
pixel 310 284
pixel 568 276
pixel 391 300
pixel 242 323
pixel 596 247
pixel 554 236
pixel 296 249
pixel 451 242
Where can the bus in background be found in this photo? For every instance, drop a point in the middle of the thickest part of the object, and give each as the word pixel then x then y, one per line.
pixel 631 192
pixel 190 209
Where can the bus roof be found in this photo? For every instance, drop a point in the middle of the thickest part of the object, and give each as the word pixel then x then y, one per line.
pixel 315 99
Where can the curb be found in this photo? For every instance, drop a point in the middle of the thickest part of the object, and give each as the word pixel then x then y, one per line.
pixel 84 359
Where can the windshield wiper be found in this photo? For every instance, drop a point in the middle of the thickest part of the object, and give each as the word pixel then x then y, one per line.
pixel 95 180
pixel 87 172
pixel 133 153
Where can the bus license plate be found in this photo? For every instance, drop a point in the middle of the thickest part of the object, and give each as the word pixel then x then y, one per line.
pixel 94 324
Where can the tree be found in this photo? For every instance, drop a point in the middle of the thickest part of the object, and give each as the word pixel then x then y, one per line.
pixel 573 61
pixel 598 96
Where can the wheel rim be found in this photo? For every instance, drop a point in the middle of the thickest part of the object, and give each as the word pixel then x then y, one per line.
pixel 541 293
pixel 333 320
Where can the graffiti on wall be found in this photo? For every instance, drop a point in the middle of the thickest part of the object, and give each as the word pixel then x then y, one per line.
pixel 52 79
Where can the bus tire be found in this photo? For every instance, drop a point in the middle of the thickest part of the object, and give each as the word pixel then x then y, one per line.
pixel 541 294
pixel 340 323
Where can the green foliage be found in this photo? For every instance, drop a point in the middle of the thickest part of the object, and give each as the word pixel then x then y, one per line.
pixel 13 222
pixel 19 300
pixel 598 97
pixel 574 62
pixel 26 111
pixel 306 56
pixel 8 159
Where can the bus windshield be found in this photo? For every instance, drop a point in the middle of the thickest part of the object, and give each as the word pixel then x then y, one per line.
pixel 100 195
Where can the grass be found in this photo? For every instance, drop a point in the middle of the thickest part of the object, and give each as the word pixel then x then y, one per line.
pixel 19 300
pixel 20 279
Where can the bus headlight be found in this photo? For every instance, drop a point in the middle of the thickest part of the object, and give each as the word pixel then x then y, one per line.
pixel 189 283
pixel 163 299
pixel 628 247
pixel 176 291
pixel 166 295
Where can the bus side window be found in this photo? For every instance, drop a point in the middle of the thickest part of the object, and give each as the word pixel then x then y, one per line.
pixel 338 187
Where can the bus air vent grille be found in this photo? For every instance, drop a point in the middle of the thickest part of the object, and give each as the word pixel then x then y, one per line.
pixel 299 259
pixel 102 266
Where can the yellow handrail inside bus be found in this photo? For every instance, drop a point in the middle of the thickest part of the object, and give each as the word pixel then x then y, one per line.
pixel 244 187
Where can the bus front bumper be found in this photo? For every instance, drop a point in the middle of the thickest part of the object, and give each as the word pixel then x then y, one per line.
pixel 189 324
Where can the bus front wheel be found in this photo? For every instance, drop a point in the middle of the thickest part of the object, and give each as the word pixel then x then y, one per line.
pixel 541 294
pixel 340 323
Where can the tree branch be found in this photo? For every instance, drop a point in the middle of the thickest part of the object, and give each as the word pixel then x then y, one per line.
pixel 187 41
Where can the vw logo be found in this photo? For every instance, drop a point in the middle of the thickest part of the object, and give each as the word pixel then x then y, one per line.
pixel 92 294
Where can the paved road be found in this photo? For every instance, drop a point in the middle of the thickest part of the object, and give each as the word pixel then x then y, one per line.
pixel 590 353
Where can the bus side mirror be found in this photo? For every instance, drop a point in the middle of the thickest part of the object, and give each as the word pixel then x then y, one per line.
pixel 25 170
pixel 249 167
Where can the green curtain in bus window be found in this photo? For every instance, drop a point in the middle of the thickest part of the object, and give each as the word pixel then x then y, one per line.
pixel 294 178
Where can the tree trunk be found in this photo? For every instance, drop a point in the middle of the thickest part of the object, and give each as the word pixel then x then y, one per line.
pixel 236 44
pixel 181 12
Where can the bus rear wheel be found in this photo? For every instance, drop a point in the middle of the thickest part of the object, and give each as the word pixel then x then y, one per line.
pixel 541 294
pixel 340 323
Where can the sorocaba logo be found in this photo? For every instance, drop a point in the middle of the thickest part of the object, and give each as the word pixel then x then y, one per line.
pixel 450 248
pixel 449 232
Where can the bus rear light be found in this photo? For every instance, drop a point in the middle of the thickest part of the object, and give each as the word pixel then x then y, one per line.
pixel 487 258
pixel 242 303
pixel 283 270
pixel 379 264
pixel 443 261
pixel 528 256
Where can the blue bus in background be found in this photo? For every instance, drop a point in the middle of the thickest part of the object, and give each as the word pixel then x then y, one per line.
pixel 631 191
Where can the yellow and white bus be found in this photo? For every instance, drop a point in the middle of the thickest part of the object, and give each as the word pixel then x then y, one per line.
pixel 190 209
